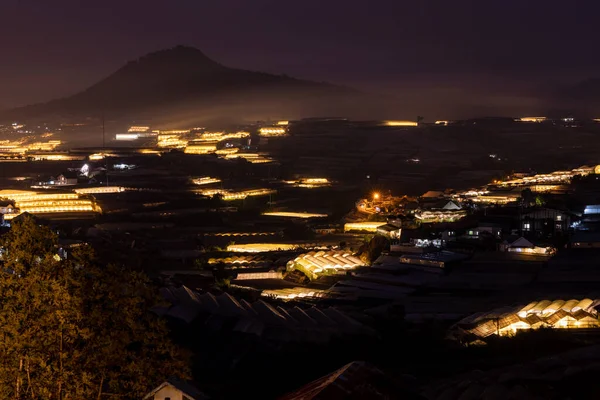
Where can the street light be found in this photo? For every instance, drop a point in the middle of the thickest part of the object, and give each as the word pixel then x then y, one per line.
pixel 376 196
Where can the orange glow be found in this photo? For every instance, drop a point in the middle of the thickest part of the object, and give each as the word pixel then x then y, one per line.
pixel 271 131
pixel 532 119
pixel 400 123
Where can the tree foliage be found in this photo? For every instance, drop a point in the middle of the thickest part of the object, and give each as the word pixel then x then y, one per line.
pixel 372 250
pixel 74 329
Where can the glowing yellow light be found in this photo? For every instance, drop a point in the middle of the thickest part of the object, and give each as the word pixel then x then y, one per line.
pixel 206 148
pixel 44 146
pixel 283 123
pixel 289 214
pixel 34 202
pixel 253 158
pixel 317 263
pixel 376 196
pixel 175 132
pixel 366 226
pixel 55 157
pixel 100 156
pixel 532 119
pixel 126 136
pixel 231 150
pixel 272 131
pixel 205 180
pixel 149 151
pixel 310 182
pixel 400 123
pixel 440 216
pixel 260 247
pixel 138 129
pixel 100 190
pixel 442 122
pixel 231 195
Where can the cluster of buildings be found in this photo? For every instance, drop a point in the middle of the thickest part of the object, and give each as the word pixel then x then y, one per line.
pixel 547 313
pixel 267 254
pixel 17 202
pixel 199 141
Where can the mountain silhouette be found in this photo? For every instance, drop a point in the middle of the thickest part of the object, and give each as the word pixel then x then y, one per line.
pixel 183 84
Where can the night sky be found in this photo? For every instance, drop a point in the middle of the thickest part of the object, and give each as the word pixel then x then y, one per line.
pixel 423 49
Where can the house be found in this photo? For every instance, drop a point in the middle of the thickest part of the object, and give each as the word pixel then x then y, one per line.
pixel 175 389
pixel 390 231
pixel 46 180
pixel 545 222
pixel 522 245
pixel 448 205
pixel 67 178
pixel 449 235
pixel 483 229
pixel 432 194
pixel 8 207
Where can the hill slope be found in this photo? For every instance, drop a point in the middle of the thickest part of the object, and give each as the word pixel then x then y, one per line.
pixel 184 84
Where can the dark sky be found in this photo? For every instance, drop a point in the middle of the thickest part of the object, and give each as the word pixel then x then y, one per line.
pixel 427 48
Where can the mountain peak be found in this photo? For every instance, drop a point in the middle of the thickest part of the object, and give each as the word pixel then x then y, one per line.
pixel 176 57
pixel 180 53
pixel 171 82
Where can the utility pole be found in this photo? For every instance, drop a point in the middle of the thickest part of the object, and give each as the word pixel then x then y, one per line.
pixel 104 148
pixel 103 132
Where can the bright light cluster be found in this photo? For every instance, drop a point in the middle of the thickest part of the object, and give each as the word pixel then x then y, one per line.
pixel 507 321
pixel 35 202
pixel 12 146
pixel 231 195
pixel 271 131
pixel 175 132
pixel 366 226
pixel 293 293
pixel 252 158
pixel 289 214
pixel 316 263
pixel 496 199
pixel 171 139
pixel 532 250
pixel 56 157
pixel 310 183
pixel 532 119
pixel 27 195
pixel 227 150
pixel 219 136
pixel 227 234
pixel 400 123
pixel 556 177
pixel 100 156
pixel 261 247
pixel 126 136
pixel 205 180
pixel 50 145
pixel 21 147
pixel 140 129
pixel 440 216
pixel 204 148
pixel 100 190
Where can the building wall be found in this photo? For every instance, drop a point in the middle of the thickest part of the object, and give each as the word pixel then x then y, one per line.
pixel 168 392
pixel 259 275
